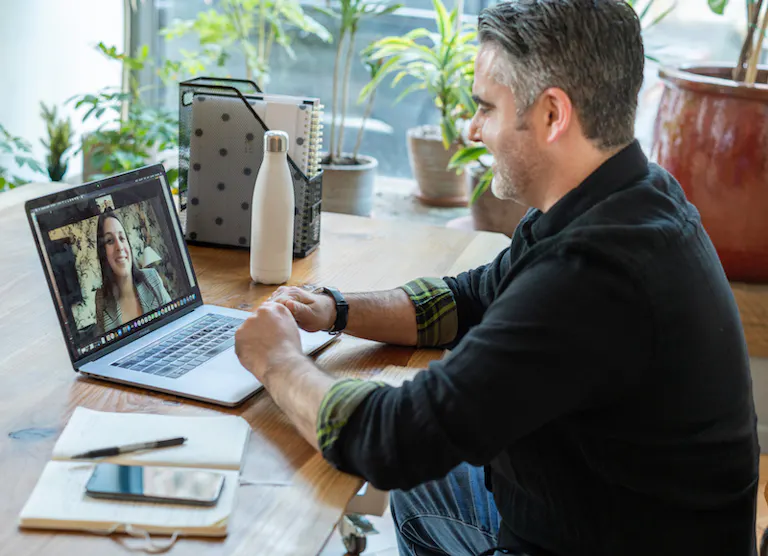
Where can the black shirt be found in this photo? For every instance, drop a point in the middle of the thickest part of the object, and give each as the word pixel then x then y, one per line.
pixel 600 371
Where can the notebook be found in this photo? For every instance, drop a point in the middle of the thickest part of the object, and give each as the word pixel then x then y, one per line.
pixel 58 501
pixel 223 124
pixel 301 118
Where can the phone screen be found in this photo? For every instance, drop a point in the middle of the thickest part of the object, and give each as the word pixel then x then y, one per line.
pixel 155 484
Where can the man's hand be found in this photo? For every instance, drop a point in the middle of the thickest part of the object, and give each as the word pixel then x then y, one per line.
pixel 269 336
pixel 312 311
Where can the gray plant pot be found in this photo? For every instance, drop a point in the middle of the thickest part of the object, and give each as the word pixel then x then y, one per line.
pixel 348 188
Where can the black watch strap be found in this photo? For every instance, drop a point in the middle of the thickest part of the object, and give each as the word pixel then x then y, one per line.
pixel 342 309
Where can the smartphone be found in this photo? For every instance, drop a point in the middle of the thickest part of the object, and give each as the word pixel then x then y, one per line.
pixel 169 485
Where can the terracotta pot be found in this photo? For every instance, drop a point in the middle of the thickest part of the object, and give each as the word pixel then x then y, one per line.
pixel 348 188
pixel 437 186
pixel 711 133
pixel 489 213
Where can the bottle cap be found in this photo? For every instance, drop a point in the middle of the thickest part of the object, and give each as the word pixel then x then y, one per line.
pixel 275 142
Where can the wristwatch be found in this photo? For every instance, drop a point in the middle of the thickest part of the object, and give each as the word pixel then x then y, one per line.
pixel 342 309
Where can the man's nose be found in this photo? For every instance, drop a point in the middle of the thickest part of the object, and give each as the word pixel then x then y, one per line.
pixel 474 130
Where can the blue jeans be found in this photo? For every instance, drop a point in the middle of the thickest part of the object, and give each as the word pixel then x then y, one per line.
pixel 455 515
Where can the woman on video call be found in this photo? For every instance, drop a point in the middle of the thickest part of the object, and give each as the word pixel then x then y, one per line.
pixel 126 292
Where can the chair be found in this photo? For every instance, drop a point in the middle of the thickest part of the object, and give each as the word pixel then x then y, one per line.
pixel 353 526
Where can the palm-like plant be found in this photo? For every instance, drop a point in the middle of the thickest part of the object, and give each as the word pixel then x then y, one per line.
pixel 59 141
pixel 349 13
pixel 442 66
pixel 132 131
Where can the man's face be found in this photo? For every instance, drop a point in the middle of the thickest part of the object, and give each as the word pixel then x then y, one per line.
pixel 517 159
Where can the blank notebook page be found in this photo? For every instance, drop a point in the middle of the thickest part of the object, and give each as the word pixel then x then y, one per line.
pixel 212 442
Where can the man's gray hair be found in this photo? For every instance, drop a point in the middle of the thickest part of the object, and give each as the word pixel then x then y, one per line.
pixel 591 49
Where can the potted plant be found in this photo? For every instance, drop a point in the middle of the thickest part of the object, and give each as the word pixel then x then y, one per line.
pixel 441 65
pixel 133 134
pixel 709 134
pixel 21 152
pixel 348 178
pixel 230 27
pixel 58 143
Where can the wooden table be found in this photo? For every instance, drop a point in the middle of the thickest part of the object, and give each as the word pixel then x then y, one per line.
pixel 39 390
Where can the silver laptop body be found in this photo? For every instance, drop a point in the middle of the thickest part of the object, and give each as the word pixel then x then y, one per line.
pixel 176 344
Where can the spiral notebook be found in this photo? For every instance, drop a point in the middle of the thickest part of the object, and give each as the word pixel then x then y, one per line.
pixel 58 501
pixel 223 124
pixel 301 118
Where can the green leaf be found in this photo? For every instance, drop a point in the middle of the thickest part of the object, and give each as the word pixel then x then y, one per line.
pixel 388 10
pixel 173 176
pixel 717 6
pixel 108 51
pixel 177 28
pixel 467 100
pixel 35 165
pixel 293 14
pixel 442 18
pixel 325 11
pixel 644 13
pixel 413 87
pixel 482 186
pixel 398 78
pixel 466 155
pixel 450 133
pixel 388 67
pixel 662 15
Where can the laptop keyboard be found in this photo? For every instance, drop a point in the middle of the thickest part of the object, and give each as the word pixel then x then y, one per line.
pixel 179 352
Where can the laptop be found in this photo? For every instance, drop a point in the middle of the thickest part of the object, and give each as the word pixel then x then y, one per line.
pixel 126 294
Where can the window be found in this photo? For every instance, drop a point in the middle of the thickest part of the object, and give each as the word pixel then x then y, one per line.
pixel 691 33
pixel 311 72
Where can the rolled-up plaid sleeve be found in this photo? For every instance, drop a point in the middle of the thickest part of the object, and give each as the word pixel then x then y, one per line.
pixel 437 320
pixel 337 407
pixel 437 324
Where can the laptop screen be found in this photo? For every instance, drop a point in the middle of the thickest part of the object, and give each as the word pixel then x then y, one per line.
pixel 115 258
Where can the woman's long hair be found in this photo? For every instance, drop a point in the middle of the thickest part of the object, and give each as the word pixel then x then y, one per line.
pixel 107 275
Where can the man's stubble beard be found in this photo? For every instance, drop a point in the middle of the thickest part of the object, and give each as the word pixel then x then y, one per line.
pixel 517 167
pixel 513 185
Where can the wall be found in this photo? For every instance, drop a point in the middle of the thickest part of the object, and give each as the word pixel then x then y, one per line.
pixel 47 53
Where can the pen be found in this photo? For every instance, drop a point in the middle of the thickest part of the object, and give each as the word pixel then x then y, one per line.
pixel 117 450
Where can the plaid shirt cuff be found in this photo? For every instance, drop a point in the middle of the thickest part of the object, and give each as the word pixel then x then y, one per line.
pixel 337 407
pixel 437 321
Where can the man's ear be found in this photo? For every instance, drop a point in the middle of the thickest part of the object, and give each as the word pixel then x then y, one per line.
pixel 556 110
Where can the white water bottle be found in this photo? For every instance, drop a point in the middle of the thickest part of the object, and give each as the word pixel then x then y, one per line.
pixel 272 213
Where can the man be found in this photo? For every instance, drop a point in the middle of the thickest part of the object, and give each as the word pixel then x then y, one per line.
pixel 598 369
